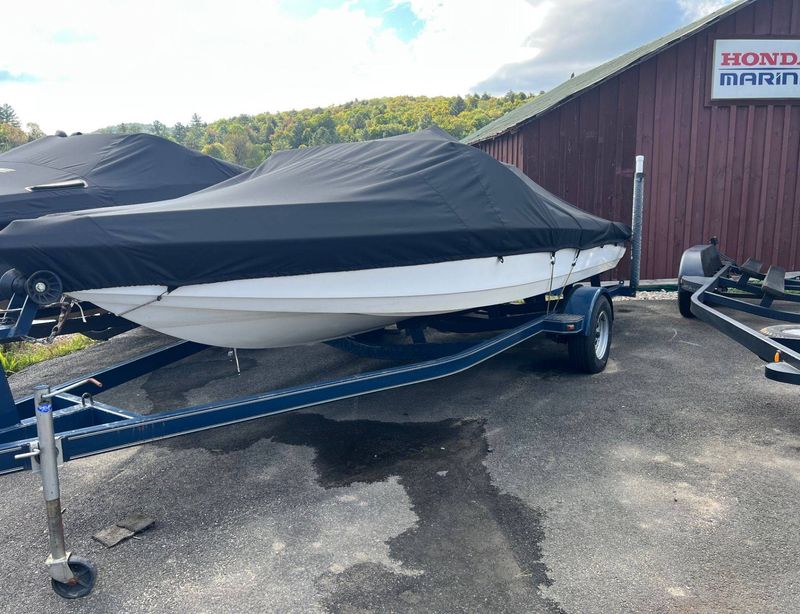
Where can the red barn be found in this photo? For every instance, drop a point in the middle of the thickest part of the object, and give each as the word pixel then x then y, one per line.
pixel 714 107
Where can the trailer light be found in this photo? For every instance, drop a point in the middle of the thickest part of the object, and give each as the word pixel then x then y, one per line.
pixel 777 357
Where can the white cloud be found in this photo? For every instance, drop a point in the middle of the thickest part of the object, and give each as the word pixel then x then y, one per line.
pixel 577 35
pixel 101 62
pixel 695 9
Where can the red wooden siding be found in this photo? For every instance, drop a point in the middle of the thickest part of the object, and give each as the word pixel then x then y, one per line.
pixel 729 171
pixel 506 147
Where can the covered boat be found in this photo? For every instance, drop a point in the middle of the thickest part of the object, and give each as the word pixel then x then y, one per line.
pixel 323 242
pixel 56 174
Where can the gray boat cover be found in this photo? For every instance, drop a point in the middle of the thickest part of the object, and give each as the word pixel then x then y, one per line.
pixel 118 169
pixel 407 200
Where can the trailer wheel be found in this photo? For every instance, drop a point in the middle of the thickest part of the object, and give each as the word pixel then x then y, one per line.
pixel 685 303
pixel 589 353
pixel 85 576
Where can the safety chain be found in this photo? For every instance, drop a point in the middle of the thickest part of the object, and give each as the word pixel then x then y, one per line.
pixel 66 308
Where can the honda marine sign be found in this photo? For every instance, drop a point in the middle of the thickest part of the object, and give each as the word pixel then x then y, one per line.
pixel 755 69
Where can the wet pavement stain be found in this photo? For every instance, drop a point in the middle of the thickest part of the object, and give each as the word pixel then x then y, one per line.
pixel 474 549
pixel 478 549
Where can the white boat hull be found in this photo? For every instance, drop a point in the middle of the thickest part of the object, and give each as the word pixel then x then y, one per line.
pixel 296 310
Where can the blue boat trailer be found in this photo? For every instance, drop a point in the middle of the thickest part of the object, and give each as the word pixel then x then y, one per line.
pixel 57 424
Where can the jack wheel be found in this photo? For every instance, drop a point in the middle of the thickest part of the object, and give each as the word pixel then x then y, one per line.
pixel 589 353
pixel 85 575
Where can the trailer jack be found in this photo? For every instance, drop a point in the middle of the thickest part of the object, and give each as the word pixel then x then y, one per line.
pixel 71 576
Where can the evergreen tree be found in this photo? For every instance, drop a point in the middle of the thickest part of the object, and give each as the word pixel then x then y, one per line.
pixel 196 136
pixel 179 132
pixel 8 116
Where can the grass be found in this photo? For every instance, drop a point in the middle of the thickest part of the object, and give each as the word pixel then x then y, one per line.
pixel 14 357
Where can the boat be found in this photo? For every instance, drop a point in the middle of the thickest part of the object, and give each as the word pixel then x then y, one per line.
pixel 322 243
pixel 59 173
pixel 84 171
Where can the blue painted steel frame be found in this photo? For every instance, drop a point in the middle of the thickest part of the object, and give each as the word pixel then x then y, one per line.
pixel 26 311
pixel 119 373
pixel 94 428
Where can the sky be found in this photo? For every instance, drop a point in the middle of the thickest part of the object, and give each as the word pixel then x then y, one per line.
pixel 92 63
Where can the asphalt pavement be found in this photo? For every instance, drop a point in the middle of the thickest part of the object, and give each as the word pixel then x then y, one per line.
pixel 668 483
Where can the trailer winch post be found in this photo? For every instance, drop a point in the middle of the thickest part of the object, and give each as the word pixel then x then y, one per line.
pixel 636 227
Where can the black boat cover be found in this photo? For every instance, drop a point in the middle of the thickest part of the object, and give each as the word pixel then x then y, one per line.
pixel 101 170
pixel 412 199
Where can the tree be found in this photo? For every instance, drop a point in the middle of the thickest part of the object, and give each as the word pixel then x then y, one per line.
pixel 179 132
pixel 196 136
pixel 238 147
pixel 160 129
pixel 215 150
pixel 457 106
pixel 248 139
pixel 34 131
pixel 11 136
pixel 345 133
pixel 426 121
pixel 8 116
pixel 322 136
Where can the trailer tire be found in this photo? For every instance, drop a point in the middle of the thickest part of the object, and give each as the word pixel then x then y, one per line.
pixel 589 353
pixel 685 303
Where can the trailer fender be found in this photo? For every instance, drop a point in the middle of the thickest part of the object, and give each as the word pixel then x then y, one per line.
pixel 581 301
pixel 700 261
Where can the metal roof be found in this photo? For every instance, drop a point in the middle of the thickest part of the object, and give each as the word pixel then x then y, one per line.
pixel 580 83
